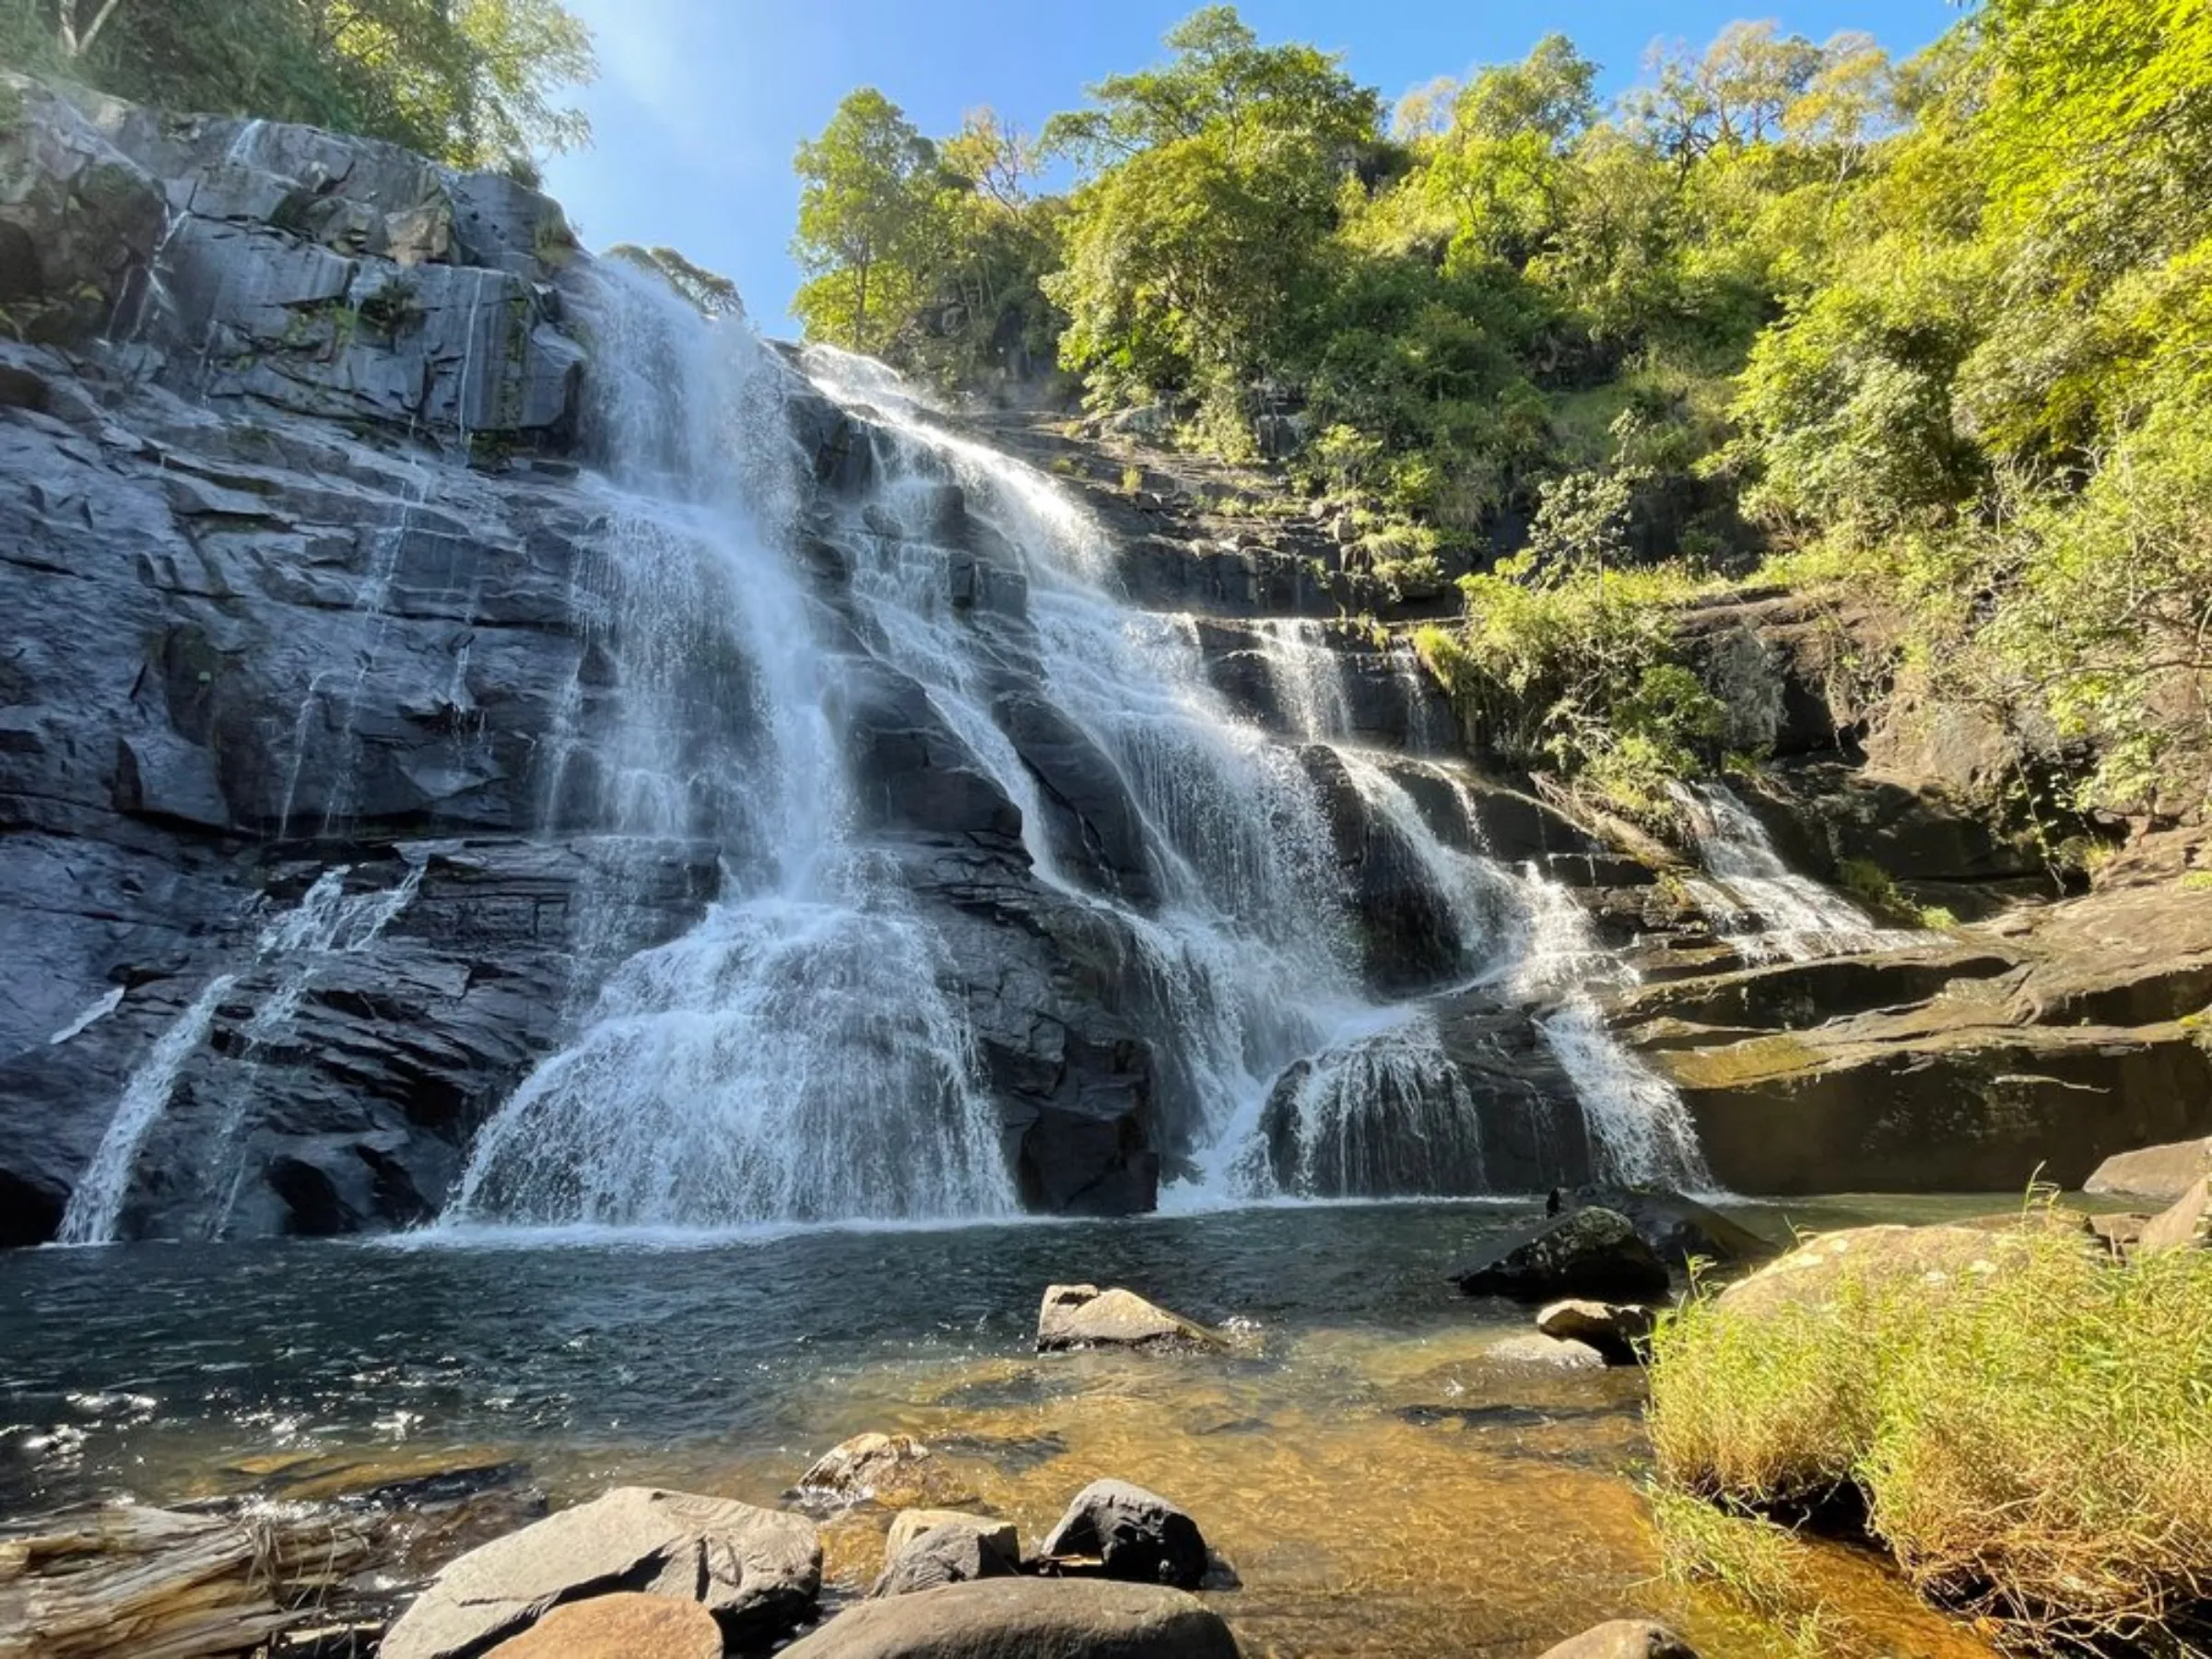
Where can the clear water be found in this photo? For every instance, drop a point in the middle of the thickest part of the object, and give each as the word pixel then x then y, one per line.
pixel 1382 1488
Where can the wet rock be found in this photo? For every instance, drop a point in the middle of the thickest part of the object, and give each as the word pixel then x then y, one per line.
pixel 2164 1172
pixel 2188 1221
pixel 1624 1639
pixel 1592 1252
pixel 1552 1353
pixel 911 1524
pixel 758 1571
pixel 1615 1330
pixel 1677 1227
pixel 869 1465
pixel 1026 1618
pixel 621 1626
pixel 951 1554
pixel 1074 1316
pixel 1132 1534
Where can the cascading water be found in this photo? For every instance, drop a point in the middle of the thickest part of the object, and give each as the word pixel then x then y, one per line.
pixel 1763 907
pixel 1251 936
pixel 1308 679
pixel 791 1057
pixel 327 921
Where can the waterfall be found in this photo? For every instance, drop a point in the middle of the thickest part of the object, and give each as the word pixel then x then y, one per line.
pixel 327 921
pixel 1307 677
pixel 1252 936
pixel 795 1055
pixel 1761 905
pixel 792 1057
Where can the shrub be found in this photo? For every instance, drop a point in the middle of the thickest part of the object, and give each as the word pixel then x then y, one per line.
pixel 2030 1441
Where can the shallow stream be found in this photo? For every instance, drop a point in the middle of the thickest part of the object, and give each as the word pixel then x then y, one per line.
pixel 1380 1485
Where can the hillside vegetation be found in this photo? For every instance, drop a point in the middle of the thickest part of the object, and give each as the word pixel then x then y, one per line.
pixel 1935 332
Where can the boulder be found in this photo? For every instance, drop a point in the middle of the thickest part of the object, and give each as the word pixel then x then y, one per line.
pixel 866 1466
pixel 1614 1329
pixel 622 1626
pixel 1677 1227
pixel 1592 1252
pixel 2161 1172
pixel 2186 1222
pixel 1553 1352
pixel 1132 1534
pixel 945 1555
pixel 911 1524
pixel 1623 1638
pixel 1812 1272
pixel 758 1571
pixel 1076 1316
pixel 1026 1618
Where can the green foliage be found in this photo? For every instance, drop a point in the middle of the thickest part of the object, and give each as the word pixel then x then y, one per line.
pixel 863 201
pixel 1936 332
pixel 475 83
pixel 1576 670
pixel 2028 1437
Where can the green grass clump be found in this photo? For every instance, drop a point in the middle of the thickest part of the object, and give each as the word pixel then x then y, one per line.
pixel 2031 1437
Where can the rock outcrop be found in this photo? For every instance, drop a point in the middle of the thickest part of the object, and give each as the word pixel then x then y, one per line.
pixel 2165 1172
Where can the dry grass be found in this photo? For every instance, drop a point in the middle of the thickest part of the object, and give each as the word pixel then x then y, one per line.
pixel 2033 1443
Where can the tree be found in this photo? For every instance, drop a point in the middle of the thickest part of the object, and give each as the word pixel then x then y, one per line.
pixel 474 83
pixel 1730 95
pixel 867 185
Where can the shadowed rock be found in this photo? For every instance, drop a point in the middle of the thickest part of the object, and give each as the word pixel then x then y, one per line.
pixel 1592 1252
pixel 1132 1534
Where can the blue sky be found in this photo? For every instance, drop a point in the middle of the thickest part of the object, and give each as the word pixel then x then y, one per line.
pixel 701 103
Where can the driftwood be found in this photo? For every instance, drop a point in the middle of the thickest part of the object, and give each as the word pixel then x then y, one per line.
pixel 118 1579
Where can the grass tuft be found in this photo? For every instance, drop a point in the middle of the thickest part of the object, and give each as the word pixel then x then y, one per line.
pixel 2032 1442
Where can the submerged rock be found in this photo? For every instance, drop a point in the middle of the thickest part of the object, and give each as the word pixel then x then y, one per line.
pixel 1026 1618
pixel 2164 1172
pixel 1624 1639
pixel 1614 1329
pixel 1077 1316
pixel 869 1465
pixel 1553 1352
pixel 1594 1253
pixel 758 1571
pixel 623 1626
pixel 1132 1534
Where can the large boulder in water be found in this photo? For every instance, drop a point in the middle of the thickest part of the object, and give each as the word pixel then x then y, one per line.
pixel 1132 1534
pixel 758 1571
pixel 1677 1227
pixel 1594 1253
pixel 1074 1316
pixel 1026 1618
pixel 870 1465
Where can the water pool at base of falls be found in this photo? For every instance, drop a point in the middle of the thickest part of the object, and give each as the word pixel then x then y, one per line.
pixel 1380 1487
